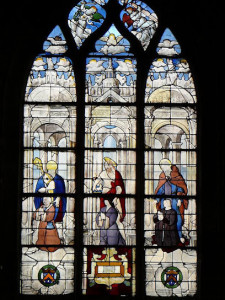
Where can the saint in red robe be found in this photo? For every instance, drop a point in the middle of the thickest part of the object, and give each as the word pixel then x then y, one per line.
pixel 117 182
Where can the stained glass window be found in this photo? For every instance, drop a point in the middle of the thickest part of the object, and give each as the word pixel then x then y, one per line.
pixel 112 129
pixel 47 225
pixel 170 174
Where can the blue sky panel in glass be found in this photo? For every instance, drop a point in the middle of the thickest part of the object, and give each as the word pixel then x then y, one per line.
pixel 168 45
pixel 113 43
pixel 55 43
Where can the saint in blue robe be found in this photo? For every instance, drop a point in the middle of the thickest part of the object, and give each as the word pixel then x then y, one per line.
pixel 59 189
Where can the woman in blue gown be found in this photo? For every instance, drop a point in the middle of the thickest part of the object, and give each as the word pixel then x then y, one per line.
pixel 106 220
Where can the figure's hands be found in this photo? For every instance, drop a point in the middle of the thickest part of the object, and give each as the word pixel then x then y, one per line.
pixel 160 216
pixel 182 240
pixel 103 216
pixel 51 187
pixel 57 200
pixel 178 202
pixel 118 189
pixel 115 201
pixel 97 185
pixel 41 211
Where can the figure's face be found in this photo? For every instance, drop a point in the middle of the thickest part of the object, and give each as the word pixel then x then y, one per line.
pixel 46 201
pixel 92 10
pixel 166 167
pixel 52 173
pixel 167 203
pixel 106 202
pixel 129 10
pixel 108 167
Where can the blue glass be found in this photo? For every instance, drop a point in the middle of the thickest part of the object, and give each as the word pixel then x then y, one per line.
pixel 168 44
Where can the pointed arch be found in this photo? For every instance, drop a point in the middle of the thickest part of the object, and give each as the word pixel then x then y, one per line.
pixel 170 165
pixel 94 145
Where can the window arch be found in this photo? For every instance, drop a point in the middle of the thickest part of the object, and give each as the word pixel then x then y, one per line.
pixel 108 194
pixel 61 134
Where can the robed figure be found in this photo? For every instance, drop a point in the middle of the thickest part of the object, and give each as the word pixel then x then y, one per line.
pixel 48 237
pixel 166 233
pixel 110 182
pixel 43 187
pixel 106 219
pixel 171 184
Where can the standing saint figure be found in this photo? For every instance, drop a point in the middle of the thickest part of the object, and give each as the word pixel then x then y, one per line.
pixel 108 182
pixel 166 233
pixel 48 237
pixel 107 221
pixel 171 184
pixel 58 188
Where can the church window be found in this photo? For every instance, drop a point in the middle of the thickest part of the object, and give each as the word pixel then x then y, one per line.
pixel 109 164
pixel 170 168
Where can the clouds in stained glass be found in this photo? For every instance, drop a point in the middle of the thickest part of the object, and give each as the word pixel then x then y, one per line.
pixel 168 44
pixel 55 43
pixel 48 215
pixel 113 43
pixel 111 80
pixel 110 154
pixel 140 20
pixel 170 173
pixel 84 19
pixel 170 81
pixel 51 80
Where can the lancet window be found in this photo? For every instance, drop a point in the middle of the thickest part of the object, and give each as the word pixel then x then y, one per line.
pixel 109 175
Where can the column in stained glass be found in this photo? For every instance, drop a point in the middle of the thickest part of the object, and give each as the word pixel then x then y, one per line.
pixel 47 224
pixel 170 174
